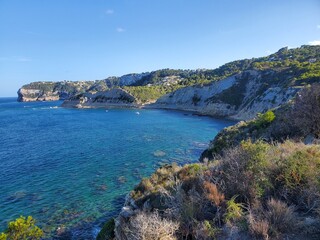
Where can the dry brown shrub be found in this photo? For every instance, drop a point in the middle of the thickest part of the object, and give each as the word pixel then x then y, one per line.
pixel 212 193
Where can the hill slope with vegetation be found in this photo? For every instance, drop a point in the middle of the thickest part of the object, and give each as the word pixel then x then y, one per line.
pixel 254 85
pixel 252 187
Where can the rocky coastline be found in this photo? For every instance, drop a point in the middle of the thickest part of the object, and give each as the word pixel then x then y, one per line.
pixel 261 92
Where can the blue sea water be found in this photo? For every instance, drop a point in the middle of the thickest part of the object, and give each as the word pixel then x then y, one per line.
pixel 71 169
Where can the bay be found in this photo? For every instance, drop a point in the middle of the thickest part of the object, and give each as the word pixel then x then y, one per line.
pixel 71 168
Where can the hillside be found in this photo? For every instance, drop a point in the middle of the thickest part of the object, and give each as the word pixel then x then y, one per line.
pixel 237 90
pixel 257 85
pixel 250 188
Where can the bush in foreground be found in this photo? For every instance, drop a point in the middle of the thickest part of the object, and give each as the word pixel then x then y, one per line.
pixel 22 228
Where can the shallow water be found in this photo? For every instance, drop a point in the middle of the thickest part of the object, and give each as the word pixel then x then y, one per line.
pixel 70 169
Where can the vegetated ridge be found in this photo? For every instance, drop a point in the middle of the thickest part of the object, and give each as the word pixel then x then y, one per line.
pixel 237 90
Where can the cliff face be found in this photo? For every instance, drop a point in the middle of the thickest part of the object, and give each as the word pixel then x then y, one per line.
pixel 195 98
pixel 52 91
pixel 29 95
pixel 130 79
pixel 240 96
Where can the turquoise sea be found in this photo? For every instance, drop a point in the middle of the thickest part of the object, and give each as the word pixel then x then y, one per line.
pixel 71 169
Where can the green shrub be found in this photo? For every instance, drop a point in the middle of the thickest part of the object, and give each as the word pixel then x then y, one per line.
pixel 22 228
pixel 206 230
pixel 263 120
pixel 3 236
pixel 297 174
pixel 245 171
pixel 190 170
pixel 234 210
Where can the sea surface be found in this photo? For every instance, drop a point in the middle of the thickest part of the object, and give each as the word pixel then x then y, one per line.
pixel 71 168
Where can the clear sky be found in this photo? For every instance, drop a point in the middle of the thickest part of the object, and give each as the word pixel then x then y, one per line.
pixel 54 40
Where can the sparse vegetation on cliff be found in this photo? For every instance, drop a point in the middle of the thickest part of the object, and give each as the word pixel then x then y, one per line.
pixel 295 120
pixel 257 189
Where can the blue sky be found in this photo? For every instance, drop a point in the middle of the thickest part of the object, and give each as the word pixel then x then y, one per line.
pixel 54 40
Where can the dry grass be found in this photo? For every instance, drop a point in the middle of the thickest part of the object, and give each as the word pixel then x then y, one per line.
pixel 258 228
pixel 281 218
pixel 273 221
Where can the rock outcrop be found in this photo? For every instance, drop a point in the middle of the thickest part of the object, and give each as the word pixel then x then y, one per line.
pixel 195 98
pixel 29 95
pixel 52 91
pixel 116 97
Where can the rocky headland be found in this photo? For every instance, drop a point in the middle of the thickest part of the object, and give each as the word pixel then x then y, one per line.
pixel 53 91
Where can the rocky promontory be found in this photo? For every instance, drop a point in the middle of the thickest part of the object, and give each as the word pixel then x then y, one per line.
pixel 53 91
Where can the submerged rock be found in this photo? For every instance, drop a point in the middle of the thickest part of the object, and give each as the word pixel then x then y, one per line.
pixel 122 179
pixel 159 153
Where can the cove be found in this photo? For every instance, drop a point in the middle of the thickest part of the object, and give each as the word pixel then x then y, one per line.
pixel 71 168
